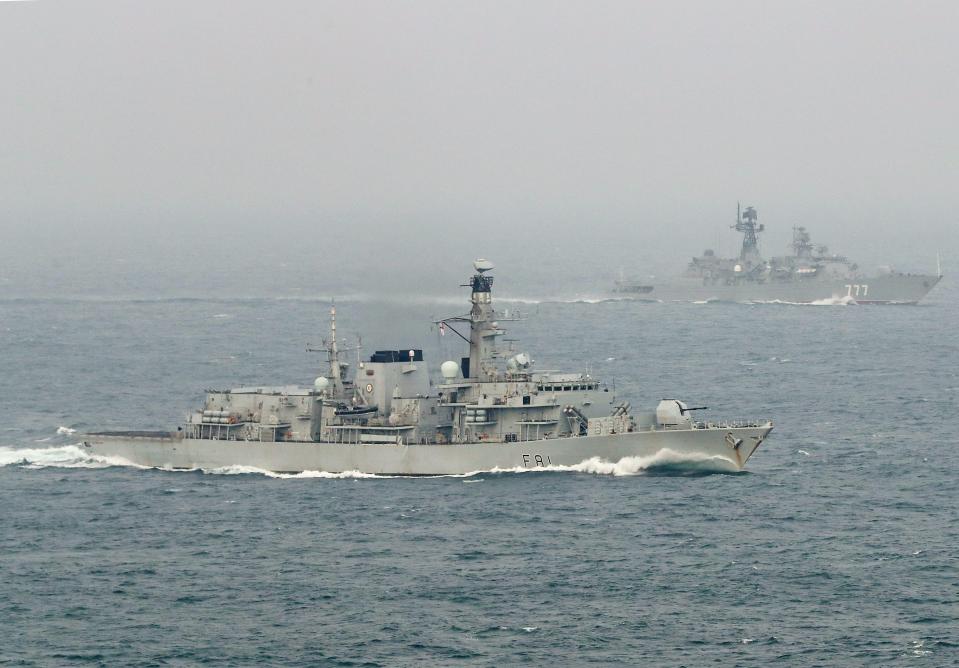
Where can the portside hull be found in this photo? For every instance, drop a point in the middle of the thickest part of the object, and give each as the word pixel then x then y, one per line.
pixel 891 289
pixel 727 449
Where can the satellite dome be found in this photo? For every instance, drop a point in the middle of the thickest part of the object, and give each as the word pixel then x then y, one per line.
pixel 738 268
pixel 321 384
pixel 482 265
pixel 449 369
pixel 523 360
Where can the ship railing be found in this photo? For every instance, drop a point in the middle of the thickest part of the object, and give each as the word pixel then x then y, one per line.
pixel 728 424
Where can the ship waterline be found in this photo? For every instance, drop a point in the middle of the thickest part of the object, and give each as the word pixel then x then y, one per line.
pixel 890 289
pixel 722 449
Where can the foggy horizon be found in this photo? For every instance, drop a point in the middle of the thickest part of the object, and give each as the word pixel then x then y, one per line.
pixel 377 146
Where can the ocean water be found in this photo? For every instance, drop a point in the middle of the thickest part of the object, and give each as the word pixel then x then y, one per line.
pixel 838 547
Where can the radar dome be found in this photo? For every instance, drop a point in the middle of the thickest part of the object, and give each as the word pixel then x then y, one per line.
pixel 482 265
pixel 738 268
pixel 321 384
pixel 522 360
pixel 449 369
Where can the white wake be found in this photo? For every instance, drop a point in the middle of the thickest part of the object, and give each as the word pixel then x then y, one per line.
pixel 237 469
pixel 666 459
pixel 64 456
pixel 73 456
pixel 829 301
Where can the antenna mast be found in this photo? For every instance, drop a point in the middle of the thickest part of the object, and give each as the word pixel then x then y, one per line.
pixel 746 223
pixel 335 371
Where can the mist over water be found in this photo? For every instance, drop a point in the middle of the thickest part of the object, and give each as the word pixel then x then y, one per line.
pixel 238 149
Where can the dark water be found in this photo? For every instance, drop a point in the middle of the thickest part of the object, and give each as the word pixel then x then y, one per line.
pixel 838 548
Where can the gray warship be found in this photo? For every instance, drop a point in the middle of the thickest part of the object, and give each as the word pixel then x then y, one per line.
pixel 809 274
pixel 490 411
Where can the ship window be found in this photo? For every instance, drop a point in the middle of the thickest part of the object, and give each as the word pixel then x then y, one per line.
pixel 526 400
pixel 566 388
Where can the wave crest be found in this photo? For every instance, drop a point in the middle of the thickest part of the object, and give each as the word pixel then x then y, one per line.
pixel 829 301
pixel 665 461
pixel 238 469
pixel 65 456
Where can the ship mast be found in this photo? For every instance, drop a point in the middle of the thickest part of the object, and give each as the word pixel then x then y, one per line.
pixel 483 329
pixel 802 247
pixel 746 223
pixel 336 373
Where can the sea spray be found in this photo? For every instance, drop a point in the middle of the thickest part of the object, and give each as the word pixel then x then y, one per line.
pixel 664 459
pixel 237 469
pixel 64 456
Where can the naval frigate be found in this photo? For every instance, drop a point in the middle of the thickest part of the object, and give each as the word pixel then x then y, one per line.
pixel 492 410
pixel 808 274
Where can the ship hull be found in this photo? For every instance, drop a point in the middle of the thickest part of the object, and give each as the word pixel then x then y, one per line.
pixel 891 289
pixel 725 449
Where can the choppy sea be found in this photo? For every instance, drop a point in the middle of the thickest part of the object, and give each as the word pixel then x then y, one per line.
pixel 838 547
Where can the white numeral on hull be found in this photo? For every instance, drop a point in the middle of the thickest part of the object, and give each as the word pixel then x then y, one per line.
pixel 861 290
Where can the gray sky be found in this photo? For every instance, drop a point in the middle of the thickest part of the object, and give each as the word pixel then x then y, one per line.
pixel 597 133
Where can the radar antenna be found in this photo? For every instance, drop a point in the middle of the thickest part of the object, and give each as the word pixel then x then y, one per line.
pixel 746 223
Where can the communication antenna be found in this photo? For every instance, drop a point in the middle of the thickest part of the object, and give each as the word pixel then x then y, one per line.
pixel 746 223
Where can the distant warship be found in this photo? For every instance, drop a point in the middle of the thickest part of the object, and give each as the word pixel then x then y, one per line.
pixel 492 410
pixel 632 289
pixel 810 273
